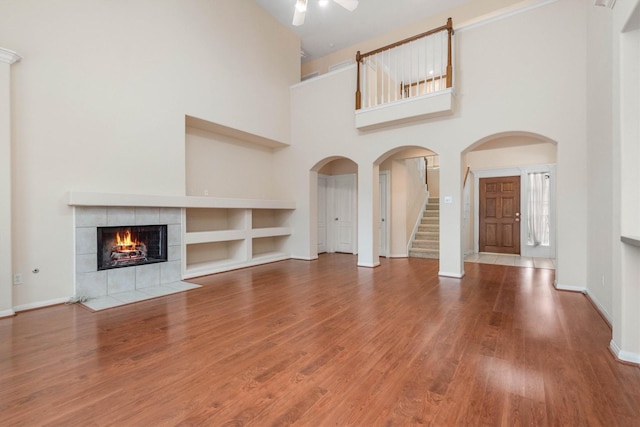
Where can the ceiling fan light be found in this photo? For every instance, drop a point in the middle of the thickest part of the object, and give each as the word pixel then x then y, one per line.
pixel 301 5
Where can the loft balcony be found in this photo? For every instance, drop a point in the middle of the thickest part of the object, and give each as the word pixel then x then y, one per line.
pixel 408 80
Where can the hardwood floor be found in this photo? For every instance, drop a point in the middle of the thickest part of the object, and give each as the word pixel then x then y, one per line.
pixel 324 343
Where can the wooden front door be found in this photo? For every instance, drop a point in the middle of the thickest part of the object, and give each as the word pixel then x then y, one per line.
pixel 500 215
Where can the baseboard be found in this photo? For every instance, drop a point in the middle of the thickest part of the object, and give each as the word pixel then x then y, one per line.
pixel 454 275
pixel 603 313
pixel 624 356
pixel 40 304
pixel 304 258
pixel 569 288
pixel 398 256
pixel 368 264
pixel 7 313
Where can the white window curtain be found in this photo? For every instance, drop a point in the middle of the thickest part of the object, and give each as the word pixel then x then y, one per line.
pixel 538 209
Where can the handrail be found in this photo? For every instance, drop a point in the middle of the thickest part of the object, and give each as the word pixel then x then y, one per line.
pixel 448 26
pixel 360 59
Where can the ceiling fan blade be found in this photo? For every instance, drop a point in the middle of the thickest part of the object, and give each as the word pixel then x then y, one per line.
pixel 298 18
pixel 299 11
pixel 350 5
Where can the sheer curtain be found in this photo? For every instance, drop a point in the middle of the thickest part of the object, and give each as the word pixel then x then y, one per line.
pixel 538 210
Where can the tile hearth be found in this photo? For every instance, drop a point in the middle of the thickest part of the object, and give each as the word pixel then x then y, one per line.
pixel 113 287
pixel 124 298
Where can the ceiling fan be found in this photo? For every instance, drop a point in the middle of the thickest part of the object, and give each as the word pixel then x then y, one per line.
pixel 301 8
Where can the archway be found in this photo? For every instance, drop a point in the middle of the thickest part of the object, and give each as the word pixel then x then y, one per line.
pixel 336 205
pixel 521 219
pixel 405 187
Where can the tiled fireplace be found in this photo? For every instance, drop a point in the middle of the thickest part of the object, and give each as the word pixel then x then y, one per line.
pixel 127 276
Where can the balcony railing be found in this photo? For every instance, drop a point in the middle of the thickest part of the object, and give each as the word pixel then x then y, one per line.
pixel 412 67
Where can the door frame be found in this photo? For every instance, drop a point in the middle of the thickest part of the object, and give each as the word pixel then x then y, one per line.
pixel 383 223
pixel 330 180
pixel 322 206
pixel 522 171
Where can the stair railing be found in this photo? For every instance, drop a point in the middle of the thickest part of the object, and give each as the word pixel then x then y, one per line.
pixel 414 66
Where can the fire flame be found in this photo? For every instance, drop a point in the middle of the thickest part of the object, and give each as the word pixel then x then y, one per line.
pixel 126 240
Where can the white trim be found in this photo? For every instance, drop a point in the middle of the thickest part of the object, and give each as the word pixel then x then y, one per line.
pixel 368 264
pixel 305 258
pixel 7 313
pixel 570 288
pixel 599 307
pixel 454 275
pixel 398 256
pixel 385 176
pixel 413 99
pixel 625 356
pixel 9 56
pixel 522 172
pixel 41 304
pixel 81 198
pixel 503 13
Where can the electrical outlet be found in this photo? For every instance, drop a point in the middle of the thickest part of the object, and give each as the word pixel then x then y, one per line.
pixel 17 279
pixel 206 192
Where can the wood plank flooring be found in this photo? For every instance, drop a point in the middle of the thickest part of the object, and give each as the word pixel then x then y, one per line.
pixel 324 343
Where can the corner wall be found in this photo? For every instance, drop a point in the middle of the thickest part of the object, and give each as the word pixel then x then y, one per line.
pixel 7 58
pixel 99 104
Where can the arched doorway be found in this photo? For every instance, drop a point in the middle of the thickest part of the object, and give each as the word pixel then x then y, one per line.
pixel 509 196
pixel 337 195
pixel 408 183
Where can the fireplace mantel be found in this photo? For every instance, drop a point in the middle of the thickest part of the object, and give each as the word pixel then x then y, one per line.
pixel 80 198
pixel 214 234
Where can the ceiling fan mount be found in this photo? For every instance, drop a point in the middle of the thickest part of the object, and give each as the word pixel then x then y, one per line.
pixel 301 8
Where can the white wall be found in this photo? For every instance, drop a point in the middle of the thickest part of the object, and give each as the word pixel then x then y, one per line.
pixel 6 291
pixel 100 99
pixel 464 12
pixel 221 166
pixel 534 153
pixel 416 191
pixel 626 178
pixel 504 83
pixel 398 244
pixel 433 177
pixel 600 158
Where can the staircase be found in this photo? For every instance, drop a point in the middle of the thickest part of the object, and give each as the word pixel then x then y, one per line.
pixel 426 243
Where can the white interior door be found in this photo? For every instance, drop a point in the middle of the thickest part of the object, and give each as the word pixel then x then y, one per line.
pixel 344 213
pixel 383 222
pixel 322 213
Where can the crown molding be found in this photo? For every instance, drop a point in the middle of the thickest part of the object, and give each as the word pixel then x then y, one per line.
pixel 9 56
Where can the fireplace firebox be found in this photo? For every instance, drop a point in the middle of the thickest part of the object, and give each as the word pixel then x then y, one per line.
pixel 126 246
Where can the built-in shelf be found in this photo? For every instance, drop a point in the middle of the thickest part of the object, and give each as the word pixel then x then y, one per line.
pixel 631 240
pixel 219 129
pixel 81 198
pixel 222 239
pixel 218 234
